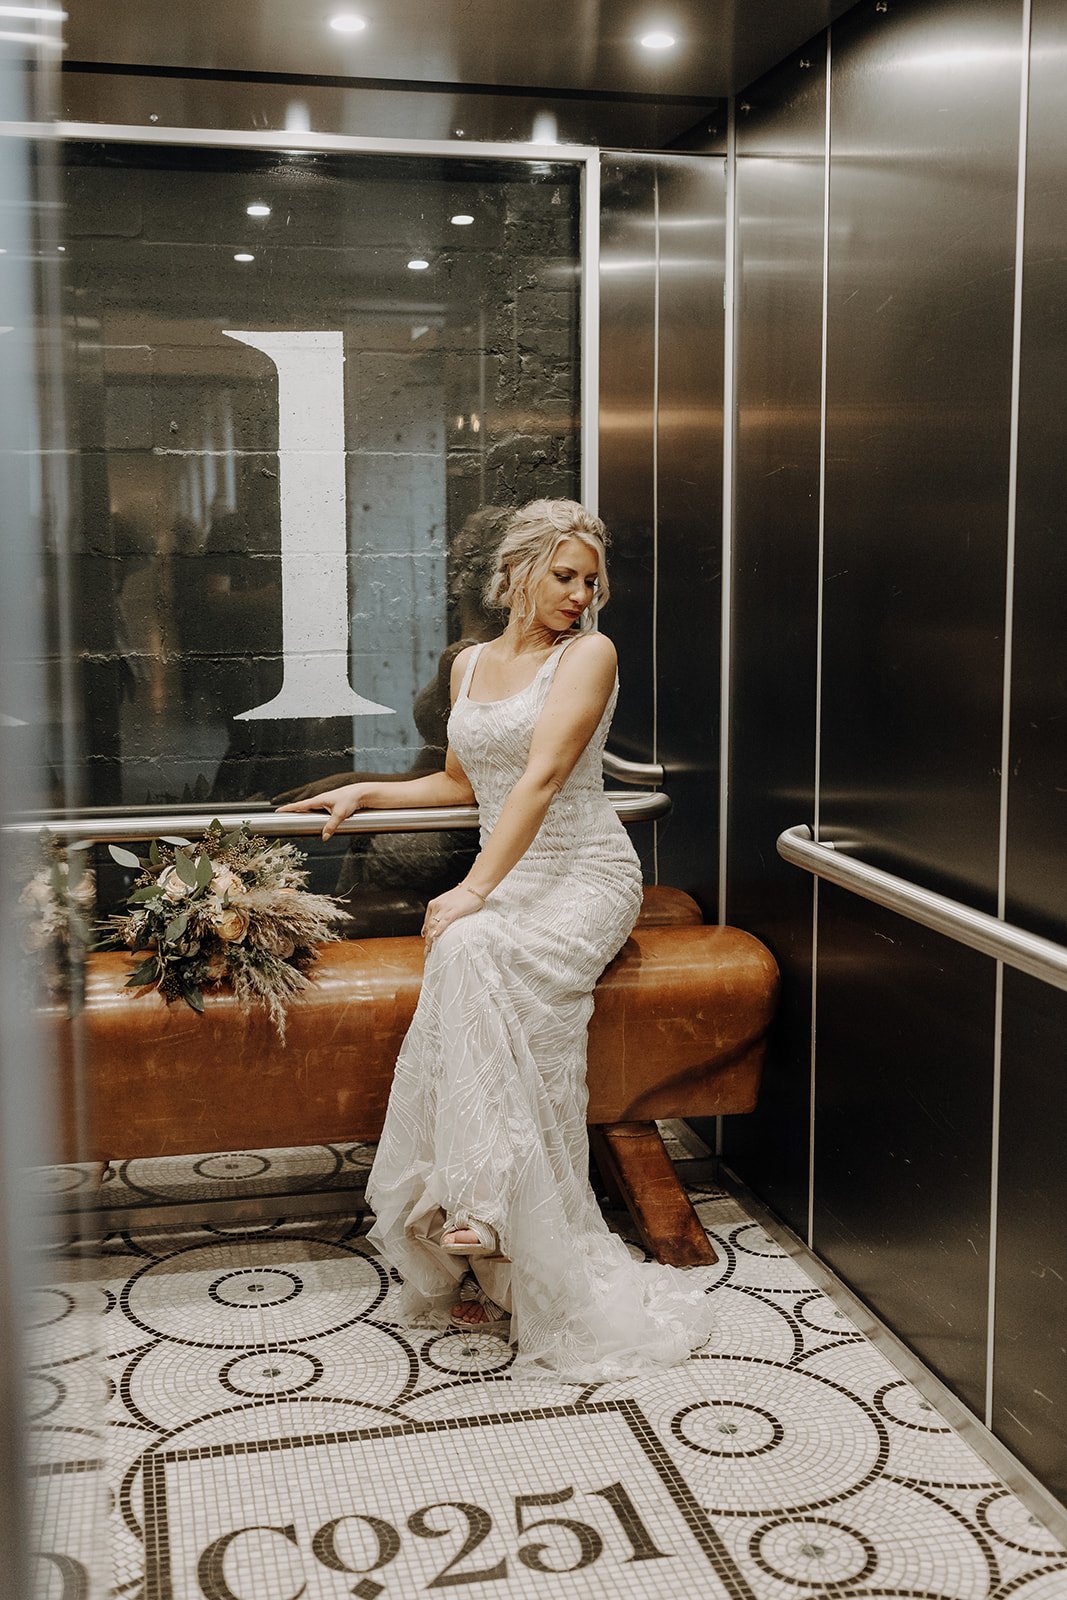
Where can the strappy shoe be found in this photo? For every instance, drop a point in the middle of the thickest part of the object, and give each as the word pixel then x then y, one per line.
pixel 488 1239
pixel 497 1320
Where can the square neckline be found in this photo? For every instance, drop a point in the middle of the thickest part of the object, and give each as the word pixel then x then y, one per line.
pixel 502 699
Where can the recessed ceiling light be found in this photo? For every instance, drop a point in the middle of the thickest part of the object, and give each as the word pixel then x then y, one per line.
pixel 461 220
pixel 417 264
pixel 658 40
pixel 257 210
pixel 243 255
pixel 347 22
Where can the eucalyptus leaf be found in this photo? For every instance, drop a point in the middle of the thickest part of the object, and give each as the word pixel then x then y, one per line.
pixel 205 871
pixel 145 973
pixel 174 838
pixel 228 840
pixel 150 891
pixel 125 858
pixel 194 998
pixel 153 853
pixel 176 927
pixel 185 867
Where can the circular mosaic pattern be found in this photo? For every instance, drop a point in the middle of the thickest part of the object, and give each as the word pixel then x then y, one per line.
pixel 1051 1584
pixel 59 1180
pixel 727 1428
pixel 233 1166
pixel 820 1313
pixel 816 1553
pixel 46 1307
pixel 293 1291
pixel 1007 1519
pixel 213 1177
pixel 255 1286
pixel 462 1352
pixel 275 1372
pixel 902 1404
pixel 832 1443
pixel 749 1325
pixel 43 1394
pixel 751 1240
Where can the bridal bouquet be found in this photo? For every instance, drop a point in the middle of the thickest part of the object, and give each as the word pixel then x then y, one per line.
pixel 231 909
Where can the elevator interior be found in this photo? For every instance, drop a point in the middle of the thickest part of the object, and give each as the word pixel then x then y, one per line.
pixel 829 382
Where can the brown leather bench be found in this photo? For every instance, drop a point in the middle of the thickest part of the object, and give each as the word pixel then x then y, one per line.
pixel 678 1030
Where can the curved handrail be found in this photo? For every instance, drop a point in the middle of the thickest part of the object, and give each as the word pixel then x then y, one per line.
pixel 624 771
pixel 1029 952
pixel 121 824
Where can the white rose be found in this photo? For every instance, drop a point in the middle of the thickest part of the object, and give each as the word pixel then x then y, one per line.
pixel 172 885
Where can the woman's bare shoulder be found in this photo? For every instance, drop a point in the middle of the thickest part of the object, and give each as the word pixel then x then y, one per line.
pixel 591 652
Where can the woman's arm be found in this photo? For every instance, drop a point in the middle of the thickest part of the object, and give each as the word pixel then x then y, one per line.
pixel 451 787
pixel 581 689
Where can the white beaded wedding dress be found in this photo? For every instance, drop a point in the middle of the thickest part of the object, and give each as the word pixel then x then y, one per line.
pixel 487 1111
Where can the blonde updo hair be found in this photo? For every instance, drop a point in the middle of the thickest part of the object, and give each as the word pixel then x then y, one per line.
pixel 525 555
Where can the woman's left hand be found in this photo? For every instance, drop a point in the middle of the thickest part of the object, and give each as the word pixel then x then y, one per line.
pixel 444 910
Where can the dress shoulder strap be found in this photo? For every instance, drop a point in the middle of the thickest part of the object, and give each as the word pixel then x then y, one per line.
pixel 468 670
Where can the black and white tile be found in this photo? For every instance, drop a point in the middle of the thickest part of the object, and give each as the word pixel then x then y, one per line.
pixel 244 1414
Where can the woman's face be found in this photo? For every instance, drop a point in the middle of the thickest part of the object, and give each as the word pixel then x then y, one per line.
pixel 567 587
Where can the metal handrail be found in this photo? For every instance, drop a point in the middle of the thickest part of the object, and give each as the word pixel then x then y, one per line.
pixel 624 771
pixel 1029 952
pixel 98 829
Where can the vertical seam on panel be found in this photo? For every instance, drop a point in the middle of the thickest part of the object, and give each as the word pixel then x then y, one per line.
pixel 655 501
pixel 1005 730
pixel 729 446
pixel 589 333
pixel 818 635
pixel 729 437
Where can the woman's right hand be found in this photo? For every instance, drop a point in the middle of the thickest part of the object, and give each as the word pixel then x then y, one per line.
pixel 340 803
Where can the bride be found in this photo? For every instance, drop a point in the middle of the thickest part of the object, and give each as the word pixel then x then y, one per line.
pixel 480 1182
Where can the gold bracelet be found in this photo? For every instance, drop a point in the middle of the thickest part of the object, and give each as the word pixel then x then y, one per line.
pixel 475 892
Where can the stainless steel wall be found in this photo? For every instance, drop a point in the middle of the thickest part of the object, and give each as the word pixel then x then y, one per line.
pixel 779 251
pixel 874 643
pixel 661 362
pixel 1030 1369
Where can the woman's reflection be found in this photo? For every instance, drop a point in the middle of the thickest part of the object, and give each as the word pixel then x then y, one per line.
pixel 388 877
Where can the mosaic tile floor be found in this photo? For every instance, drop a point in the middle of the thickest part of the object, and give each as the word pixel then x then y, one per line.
pixel 272 1432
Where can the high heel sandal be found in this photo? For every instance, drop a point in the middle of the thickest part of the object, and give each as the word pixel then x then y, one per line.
pixel 497 1320
pixel 488 1240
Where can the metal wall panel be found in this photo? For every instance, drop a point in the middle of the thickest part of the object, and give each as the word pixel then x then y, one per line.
pixel 627 445
pixel 925 109
pixel 1030 1371
pixel 691 212
pixel 1037 794
pixel 903 1128
pixel 661 274
pixel 780 180
pixel 1030 1365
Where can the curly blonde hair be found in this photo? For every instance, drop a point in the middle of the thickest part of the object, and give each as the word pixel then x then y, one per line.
pixel 525 554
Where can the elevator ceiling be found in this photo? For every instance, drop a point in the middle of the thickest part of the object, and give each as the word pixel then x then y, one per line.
pixel 569 47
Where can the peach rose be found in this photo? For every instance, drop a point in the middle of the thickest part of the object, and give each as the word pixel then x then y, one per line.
pixel 223 881
pixel 230 923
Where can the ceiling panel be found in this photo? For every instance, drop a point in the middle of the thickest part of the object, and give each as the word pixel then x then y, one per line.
pixel 575 46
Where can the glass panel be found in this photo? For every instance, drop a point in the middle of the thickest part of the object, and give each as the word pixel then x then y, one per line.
pixel 297 447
